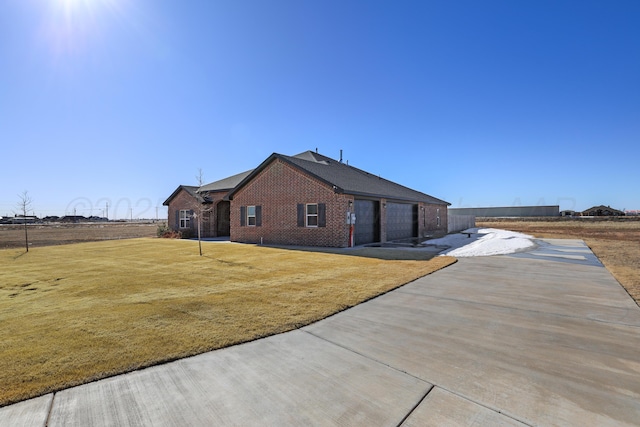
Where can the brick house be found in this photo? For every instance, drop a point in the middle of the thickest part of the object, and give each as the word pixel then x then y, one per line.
pixel 311 200
pixel 208 201
pixel 182 203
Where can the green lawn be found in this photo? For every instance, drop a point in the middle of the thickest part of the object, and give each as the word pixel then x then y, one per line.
pixel 75 313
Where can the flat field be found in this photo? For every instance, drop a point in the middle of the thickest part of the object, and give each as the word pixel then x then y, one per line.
pixel 615 242
pixel 12 236
pixel 75 313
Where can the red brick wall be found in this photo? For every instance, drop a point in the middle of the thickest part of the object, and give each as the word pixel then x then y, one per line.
pixel 209 225
pixel 279 188
pixel 428 219
pixel 183 200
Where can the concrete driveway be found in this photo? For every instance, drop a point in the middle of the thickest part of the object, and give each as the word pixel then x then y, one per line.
pixel 546 337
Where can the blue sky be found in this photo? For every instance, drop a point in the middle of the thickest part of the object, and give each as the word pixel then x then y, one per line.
pixel 480 103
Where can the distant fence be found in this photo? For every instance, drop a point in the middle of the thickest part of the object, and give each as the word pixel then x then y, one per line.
pixel 460 222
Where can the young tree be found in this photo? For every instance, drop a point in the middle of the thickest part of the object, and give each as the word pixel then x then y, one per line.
pixel 24 205
pixel 201 208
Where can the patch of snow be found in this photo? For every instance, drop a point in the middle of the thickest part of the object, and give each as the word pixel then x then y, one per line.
pixel 483 242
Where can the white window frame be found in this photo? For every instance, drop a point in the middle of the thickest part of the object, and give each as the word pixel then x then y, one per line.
pixel 308 215
pixel 251 216
pixel 185 218
pixel 438 217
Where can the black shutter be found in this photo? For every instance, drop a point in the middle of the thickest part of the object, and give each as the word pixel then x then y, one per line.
pixel 177 219
pixel 243 216
pixel 300 215
pixel 192 220
pixel 258 216
pixel 322 215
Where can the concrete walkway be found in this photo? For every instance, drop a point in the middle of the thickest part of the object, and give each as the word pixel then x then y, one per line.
pixel 541 338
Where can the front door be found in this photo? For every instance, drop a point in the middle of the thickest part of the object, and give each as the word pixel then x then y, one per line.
pixel 223 218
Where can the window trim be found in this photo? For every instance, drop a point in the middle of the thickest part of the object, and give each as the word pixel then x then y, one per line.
pixel 251 216
pixel 184 218
pixel 308 215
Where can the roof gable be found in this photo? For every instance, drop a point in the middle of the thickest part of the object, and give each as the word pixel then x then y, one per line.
pixel 343 178
pixel 224 184
pixel 191 189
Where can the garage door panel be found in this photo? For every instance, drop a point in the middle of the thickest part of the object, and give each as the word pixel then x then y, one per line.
pixel 402 221
pixel 367 229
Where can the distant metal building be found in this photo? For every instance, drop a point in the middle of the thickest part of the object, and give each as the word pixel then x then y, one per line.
pixel 508 211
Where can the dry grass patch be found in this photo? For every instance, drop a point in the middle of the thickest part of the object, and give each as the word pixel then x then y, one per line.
pixel 75 313
pixel 12 236
pixel 615 243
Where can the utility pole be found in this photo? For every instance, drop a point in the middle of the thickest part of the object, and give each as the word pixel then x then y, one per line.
pixel 107 208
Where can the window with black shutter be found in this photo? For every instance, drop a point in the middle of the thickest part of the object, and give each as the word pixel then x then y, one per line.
pixel 258 216
pixel 251 216
pixel 312 215
pixel 300 215
pixel 322 215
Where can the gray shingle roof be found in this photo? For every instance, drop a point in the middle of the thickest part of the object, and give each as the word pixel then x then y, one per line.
pixel 345 179
pixel 225 184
